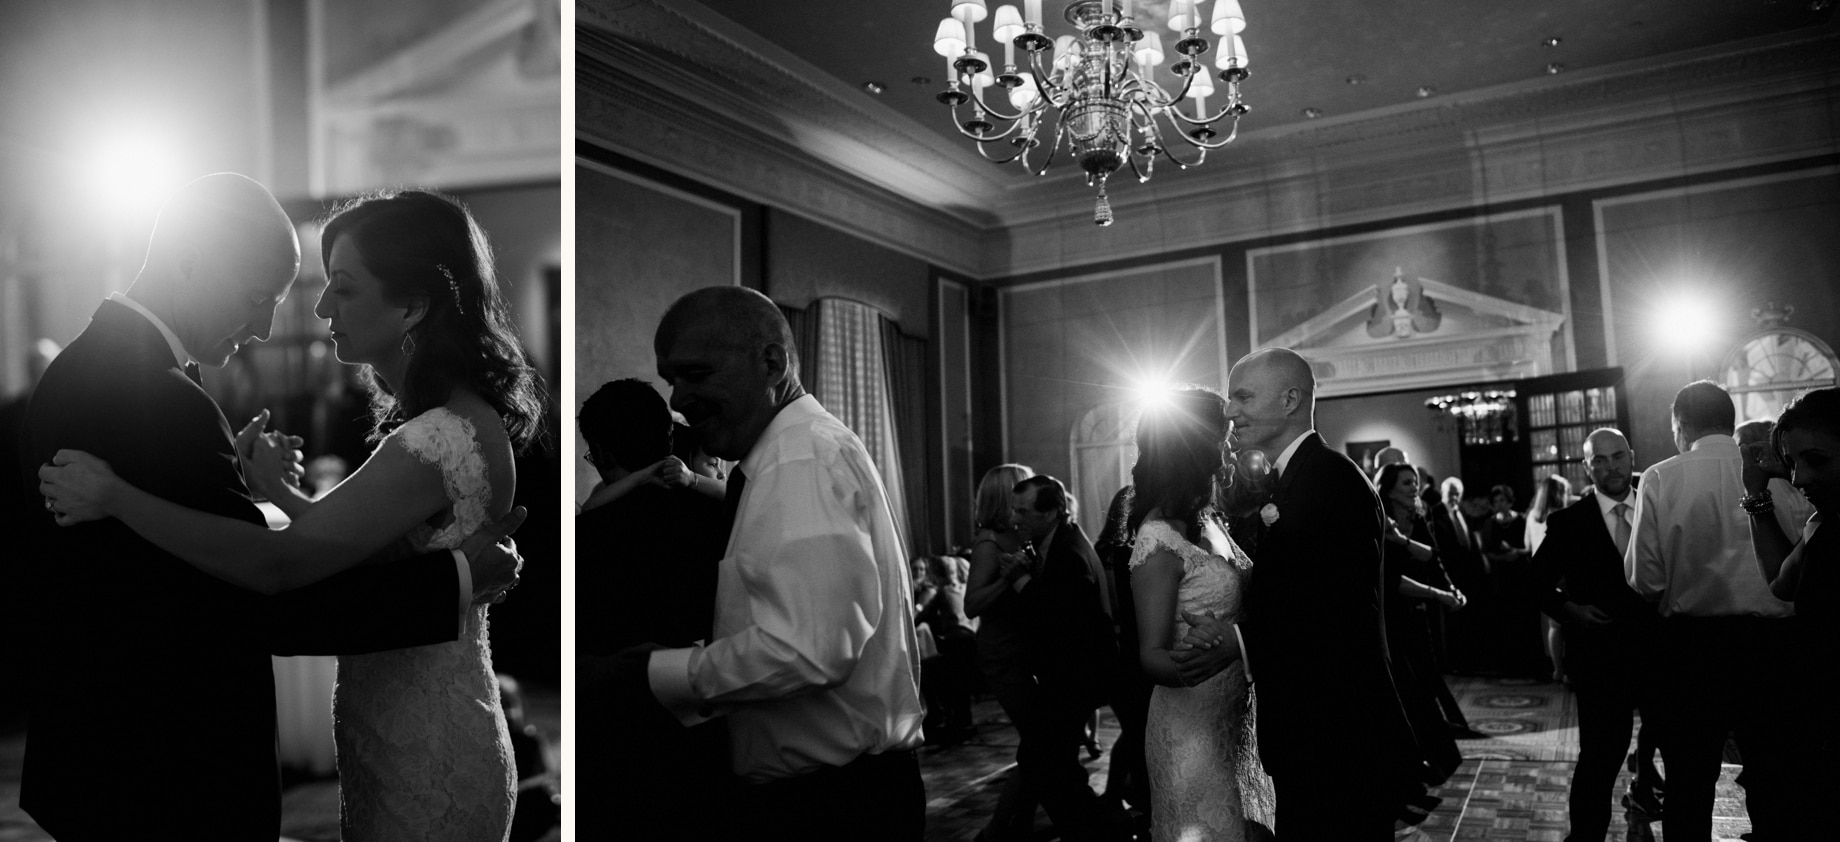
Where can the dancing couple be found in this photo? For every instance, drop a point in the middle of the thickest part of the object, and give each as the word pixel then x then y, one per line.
pixel 159 593
pixel 1309 754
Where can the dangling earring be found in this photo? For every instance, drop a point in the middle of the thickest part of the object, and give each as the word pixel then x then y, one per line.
pixel 408 345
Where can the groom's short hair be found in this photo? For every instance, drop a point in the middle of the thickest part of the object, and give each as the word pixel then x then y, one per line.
pixel 626 423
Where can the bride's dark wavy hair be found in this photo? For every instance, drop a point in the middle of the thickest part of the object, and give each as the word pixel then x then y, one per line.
pixel 413 241
pixel 1181 464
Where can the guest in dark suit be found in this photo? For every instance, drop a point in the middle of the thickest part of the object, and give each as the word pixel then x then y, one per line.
pixel 1069 648
pixel 1315 641
pixel 1577 575
pixel 645 571
pixel 1457 546
pixel 117 624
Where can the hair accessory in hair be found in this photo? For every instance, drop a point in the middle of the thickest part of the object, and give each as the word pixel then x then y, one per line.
pixel 452 285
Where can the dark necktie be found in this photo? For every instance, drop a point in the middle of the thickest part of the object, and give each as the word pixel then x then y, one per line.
pixel 731 501
pixel 191 372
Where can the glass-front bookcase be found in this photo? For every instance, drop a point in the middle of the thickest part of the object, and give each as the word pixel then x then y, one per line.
pixel 1558 413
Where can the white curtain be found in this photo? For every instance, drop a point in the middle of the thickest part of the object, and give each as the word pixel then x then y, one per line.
pixel 852 382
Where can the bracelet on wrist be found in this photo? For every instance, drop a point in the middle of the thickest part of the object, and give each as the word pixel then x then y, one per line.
pixel 1760 503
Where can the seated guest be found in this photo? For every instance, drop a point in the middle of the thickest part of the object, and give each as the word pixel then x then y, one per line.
pixel 645 571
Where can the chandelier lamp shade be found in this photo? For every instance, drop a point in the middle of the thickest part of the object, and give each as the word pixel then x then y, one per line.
pixel 1095 92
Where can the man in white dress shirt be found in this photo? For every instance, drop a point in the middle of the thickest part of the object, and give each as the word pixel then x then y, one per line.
pixel 813 658
pixel 1724 638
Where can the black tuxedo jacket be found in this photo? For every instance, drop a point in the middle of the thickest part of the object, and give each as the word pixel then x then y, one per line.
pixel 150 688
pixel 1578 562
pixel 1315 637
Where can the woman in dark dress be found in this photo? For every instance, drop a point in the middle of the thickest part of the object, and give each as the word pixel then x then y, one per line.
pixel 1807 452
pixel 1414 580
pixel 1515 621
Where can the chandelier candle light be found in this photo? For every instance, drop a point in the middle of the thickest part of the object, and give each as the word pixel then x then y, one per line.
pixel 1101 84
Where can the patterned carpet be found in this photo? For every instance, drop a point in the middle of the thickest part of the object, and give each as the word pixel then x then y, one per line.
pixel 1512 785
pixel 1524 718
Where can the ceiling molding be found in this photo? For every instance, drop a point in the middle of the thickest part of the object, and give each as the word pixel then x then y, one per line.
pixel 614 110
pixel 683 88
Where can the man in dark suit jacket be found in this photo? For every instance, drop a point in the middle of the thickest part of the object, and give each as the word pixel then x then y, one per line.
pixel 151 692
pixel 1578 577
pixel 1070 648
pixel 1332 733
pixel 1462 559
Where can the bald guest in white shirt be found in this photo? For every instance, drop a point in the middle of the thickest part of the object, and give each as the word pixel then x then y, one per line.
pixel 813 659
pixel 1723 636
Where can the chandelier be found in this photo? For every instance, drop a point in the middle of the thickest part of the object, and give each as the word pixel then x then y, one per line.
pixel 1482 417
pixel 1100 84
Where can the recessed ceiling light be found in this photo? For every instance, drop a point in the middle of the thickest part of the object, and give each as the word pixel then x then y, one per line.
pixel 1425 91
pixel 922 80
pixel 874 87
pixel 1554 68
pixel 1357 79
pixel 1553 41
pixel 1312 113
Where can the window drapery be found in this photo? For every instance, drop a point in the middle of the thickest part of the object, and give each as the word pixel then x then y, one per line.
pixel 869 374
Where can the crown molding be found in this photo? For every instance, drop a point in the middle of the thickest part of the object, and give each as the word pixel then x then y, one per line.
pixel 660 86
pixel 683 88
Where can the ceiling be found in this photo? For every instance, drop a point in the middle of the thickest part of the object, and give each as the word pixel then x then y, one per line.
pixel 1340 57
pixel 794 74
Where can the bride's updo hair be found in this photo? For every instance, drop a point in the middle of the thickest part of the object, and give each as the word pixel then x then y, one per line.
pixel 1180 458
pixel 426 246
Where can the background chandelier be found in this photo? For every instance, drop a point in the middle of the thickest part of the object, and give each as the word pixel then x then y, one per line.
pixel 1101 84
pixel 1482 417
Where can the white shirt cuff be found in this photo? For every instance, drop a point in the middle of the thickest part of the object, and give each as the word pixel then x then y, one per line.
pixel 466 590
pixel 1244 660
pixel 667 671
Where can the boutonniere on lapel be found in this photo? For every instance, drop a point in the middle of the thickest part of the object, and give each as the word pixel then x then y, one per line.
pixel 1269 514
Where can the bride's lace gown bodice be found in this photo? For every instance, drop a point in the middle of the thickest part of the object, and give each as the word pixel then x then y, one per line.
pixel 423 751
pixel 1200 743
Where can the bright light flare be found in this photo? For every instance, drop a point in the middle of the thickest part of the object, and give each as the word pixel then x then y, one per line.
pixel 1151 393
pixel 132 173
pixel 1686 323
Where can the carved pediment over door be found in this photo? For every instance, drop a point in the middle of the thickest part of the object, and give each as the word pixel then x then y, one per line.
pixel 471 97
pixel 1410 332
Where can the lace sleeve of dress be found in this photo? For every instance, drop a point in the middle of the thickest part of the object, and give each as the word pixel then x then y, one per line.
pixel 445 440
pixel 1156 535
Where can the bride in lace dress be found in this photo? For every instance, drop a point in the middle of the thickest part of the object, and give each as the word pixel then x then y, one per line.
pixel 423 749
pixel 1200 743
